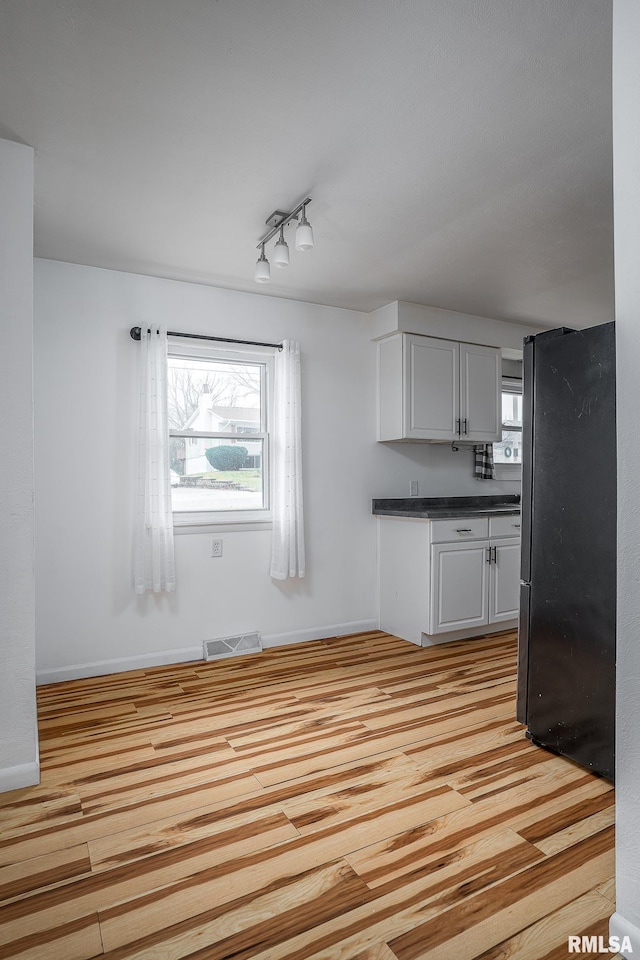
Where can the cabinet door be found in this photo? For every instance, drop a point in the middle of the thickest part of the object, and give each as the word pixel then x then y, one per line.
pixel 480 393
pixel 431 396
pixel 504 582
pixel 459 586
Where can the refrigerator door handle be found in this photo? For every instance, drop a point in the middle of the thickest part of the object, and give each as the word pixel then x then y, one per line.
pixel 522 697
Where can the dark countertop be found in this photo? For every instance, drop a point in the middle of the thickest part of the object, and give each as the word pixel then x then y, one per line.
pixel 444 508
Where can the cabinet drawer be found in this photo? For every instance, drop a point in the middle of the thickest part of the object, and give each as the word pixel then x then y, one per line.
pixel 448 531
pixel 504 526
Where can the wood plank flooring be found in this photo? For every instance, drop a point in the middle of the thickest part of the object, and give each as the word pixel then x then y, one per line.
pixel 357 798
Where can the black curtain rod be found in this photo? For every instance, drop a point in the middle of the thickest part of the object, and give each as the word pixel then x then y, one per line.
pixel 135 334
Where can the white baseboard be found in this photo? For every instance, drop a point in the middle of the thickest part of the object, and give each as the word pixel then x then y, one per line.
pixel 78 671
pixel 24 775
pixel 429 640
pixel 318 633
pixel 621 928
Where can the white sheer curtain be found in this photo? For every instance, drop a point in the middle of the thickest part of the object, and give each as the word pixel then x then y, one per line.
pixel 153 548
pixel 287 545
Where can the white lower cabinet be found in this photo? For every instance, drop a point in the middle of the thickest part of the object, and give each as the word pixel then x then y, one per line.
pixel 474 584
pixel 504 581
pixel 448 578
pixel 459 587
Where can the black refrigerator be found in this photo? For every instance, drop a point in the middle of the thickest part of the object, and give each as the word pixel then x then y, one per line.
pixel 566 642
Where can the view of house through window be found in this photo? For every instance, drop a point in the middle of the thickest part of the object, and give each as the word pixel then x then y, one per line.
pixel 217 430
pixel 509 450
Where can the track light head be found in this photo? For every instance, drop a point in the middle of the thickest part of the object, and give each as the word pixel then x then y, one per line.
pixel 281 251
pixel 263 270
pixel 304 233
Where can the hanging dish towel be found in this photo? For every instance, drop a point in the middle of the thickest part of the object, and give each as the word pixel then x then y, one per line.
pixel 483 456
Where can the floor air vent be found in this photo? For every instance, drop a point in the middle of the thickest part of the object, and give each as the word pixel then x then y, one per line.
pixel 232 646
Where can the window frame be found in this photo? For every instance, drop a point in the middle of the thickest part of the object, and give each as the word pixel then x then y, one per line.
pixel 189 521
pixel 509 471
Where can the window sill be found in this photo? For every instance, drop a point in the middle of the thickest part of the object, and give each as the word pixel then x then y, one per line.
pixel 222 522
pixel 508 471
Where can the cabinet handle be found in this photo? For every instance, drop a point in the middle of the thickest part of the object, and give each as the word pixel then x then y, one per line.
pixel 494 554
pixel 458 425
pixel 488 557
pixel 465 431
pixel 516 525
pixel 463 529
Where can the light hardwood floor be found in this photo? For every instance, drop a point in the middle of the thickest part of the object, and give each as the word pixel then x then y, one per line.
pixel 357 797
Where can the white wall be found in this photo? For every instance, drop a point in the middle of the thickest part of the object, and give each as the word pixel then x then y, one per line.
pixel 18 733
pixel 450 325
pixel 626 143
pixel 85 364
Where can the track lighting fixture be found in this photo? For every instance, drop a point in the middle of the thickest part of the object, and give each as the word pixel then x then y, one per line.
pixel 277 222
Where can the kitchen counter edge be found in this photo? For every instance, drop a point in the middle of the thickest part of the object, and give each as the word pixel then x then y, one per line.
pixel 446 508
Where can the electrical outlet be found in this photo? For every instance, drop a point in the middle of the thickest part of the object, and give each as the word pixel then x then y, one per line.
pixel 216 548
pixel 413 488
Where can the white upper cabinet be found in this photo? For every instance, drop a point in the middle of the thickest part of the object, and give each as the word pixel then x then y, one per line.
pixel 430 389
pixel 431 374
pixel 480 393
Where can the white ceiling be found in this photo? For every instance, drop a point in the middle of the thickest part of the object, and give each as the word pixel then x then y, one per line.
pixel 458 152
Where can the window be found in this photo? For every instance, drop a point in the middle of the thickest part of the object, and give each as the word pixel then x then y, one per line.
pixel 218 434
pixel 507 455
